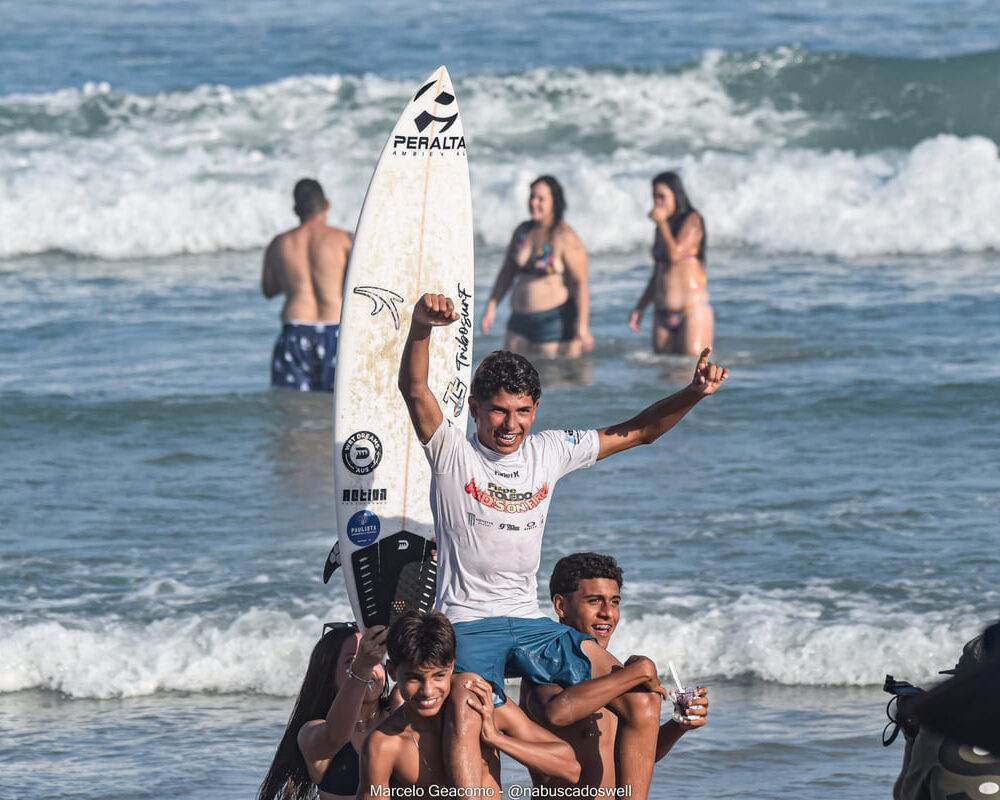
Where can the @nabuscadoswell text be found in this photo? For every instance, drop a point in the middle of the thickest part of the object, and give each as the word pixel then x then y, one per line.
pixel 513 792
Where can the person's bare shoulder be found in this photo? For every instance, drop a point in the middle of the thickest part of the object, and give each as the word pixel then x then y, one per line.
pixel 275 245
pixel 568 238
pixel 337 240
pixel 385 736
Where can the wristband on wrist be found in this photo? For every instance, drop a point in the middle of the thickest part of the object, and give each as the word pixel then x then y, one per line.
pixel 369 682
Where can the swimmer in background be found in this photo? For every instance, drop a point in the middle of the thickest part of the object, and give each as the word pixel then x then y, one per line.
pixel 308 265
pixel 683 320
pixel 546 263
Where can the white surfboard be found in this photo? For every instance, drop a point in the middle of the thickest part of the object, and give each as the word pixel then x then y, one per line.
pixel 414 236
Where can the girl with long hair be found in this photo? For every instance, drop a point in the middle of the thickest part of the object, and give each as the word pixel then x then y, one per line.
pixel 344 695
pixel 683 320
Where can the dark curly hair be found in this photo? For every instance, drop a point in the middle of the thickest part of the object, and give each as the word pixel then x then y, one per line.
pixel 421 638
pixel 505 371
pixel 570 570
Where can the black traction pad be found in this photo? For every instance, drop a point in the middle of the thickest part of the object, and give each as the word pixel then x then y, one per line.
pixel 394 575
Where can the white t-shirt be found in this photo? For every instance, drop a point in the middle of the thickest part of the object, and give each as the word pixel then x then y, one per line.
pixel 489 513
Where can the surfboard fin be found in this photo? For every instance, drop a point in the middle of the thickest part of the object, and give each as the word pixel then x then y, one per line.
pixel 332 562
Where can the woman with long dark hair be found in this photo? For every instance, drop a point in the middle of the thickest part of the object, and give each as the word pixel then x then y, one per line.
pixel 343 696
pixel 683 321
pixel 546 264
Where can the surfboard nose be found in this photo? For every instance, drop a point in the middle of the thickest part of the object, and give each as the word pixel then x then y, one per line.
pixel 438 77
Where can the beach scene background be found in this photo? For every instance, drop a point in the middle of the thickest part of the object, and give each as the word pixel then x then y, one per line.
pixel 828 517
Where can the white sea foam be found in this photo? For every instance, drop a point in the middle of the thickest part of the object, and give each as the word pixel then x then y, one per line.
pixel 115 175
pixel 260 651
pixel 812 635
pixel 770 636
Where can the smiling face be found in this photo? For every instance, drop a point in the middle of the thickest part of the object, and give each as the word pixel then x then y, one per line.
pixel 592 608
pixel 504 420
pixel 541 206
pixel 664 198
pixel 347 652
pixel 424 687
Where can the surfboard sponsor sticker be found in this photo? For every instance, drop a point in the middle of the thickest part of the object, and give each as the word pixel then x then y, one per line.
pixel 463 357
pixel 362 452
pixel 364 496
pixel 382 299
pixel 363 528
pixel 454 395
pixel 441 110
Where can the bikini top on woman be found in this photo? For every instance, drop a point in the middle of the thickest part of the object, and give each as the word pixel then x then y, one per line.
pixel 343 774
pixel 540 262
pixel 662 254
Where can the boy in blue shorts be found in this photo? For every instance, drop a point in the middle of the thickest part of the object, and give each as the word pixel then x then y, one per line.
pixel 490 495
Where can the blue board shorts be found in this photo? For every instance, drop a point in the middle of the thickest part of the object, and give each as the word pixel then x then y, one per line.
pixel 539 649
pixel 305 356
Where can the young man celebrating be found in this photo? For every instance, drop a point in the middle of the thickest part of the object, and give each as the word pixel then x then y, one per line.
pixel 490 495
pixel 405 750
pixel 586 593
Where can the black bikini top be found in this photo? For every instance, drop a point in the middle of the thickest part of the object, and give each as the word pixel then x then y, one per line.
pixel 343 774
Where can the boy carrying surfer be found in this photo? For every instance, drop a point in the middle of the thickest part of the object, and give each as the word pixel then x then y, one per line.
pixel 586 592
pixel 490 495
pixel 405 750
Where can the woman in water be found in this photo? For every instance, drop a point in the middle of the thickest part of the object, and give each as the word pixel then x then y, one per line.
pixel 547 265
pixel 683 321
pixel 343 696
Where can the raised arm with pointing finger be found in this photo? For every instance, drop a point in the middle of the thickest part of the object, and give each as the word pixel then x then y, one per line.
pixel 652 422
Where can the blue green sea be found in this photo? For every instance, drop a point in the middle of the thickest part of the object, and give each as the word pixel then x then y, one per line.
pixel 828 517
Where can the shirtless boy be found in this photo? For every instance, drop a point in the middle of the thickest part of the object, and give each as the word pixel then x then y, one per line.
pixel 490 495
pixel 586 593
pixel 307 264
pixel 405 750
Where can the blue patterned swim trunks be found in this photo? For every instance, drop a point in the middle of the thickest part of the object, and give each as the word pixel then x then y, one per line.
pixel 305 356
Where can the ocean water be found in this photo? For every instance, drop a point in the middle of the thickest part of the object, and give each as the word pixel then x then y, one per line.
pixel 828 517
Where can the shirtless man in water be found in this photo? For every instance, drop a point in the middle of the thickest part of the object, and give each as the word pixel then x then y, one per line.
pixel 308 265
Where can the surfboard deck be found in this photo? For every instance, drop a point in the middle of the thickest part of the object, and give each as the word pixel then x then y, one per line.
pixel 414 235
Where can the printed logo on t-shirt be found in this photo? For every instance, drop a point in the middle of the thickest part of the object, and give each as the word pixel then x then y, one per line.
pixel 508 501
pixel 474 520
pixel 573 437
